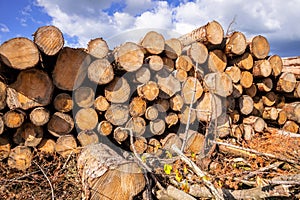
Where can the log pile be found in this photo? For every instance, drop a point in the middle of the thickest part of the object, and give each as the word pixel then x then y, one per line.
pixel 158 91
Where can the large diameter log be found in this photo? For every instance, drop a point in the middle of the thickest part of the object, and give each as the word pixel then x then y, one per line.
pixel 31 134
pixel 65 145
pixel 63 102
pixel 49 40
pixel 20 158
pixel 4 148
pixel 217 61
pixel 129 56
pixel 39 116
pixel 218 83
pixel 246 104
pixel 98 48
pixel 3 88
pixel 117 91
pixel 287 82
pixel 276 64
pixel 198 52
pixel 87 137
pixel 155 62
pixel 293 111
pixel 148 91
pixel 211 33
pixel 19 53
pixel 117 114
pixel 292 65
pixel 100 71
pixel 262 68
pixel 173 48
pixel 60 124
pixel 13 118
pixel 84 97
pixel 70 68
pixel 153 42
pixel 86 119
pixel 191 90
pixel 259 47
pixel 235 43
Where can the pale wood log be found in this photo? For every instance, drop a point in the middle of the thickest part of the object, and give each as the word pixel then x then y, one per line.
pixel 293 111
pixel 154 147
pixel 194 143
pixel 4 148
pixel 87 137
pixel 84 97
pixel 258 106
pixel 86 119
pixel 153 42
pixel 20 158
pixel 290 126
pixel 256 122
pixel 180 75
pixel 101 104
pixel 235 43
pixel 71 77
pixel 176 102
pixel 234 72
pixel 191 88
pixel 168 83
pixel 259 47
pixel 276 64
pixel 98 48
pixel 117 91
pixel 244 61
pixel 19 53
pixel 246 79
pixel 171 119
pixel 265 85
pixel 47 146
pixel 217 61
pixel 3 88
pixel 60 124
pixel 39 116
pixel 237 90
pixel 246 104
pixel 292 65
pixel 140 145
pixel 173 48
pixel 137 107
pixel 218 83
pixel 270 113
pixel 13 118
pixel 49 40
pixel 121 134
pixel 282 117
pixel 149 90
pixel 137 125
pixel 157 126
pixel 269 99
pixel 198 52
pixel 117 114
pixel 184 62
pixel 65 145
pixel 63 102
pixel 169 140
pixel 262 68
pixel 151 113
pixel 211 33
pixel 286 83
pixel 185 114
pixel 143 75
pixel 209 107
pixel 30 134
pixel 100 71
pixel 155 62
pixel 248 132
pixel 104 128
pixel 1 125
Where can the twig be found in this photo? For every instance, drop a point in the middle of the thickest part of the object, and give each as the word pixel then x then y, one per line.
pixel 198 171
pixel 231 23
pixel 69 157
pixel 52 191
pixel 263 169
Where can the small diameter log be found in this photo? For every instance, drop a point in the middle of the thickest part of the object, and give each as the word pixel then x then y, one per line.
pixel 244 62
pixel 71 77
pixel 63 102
pixel 234 72
pixel 84 97
pixel 139 144
pixel 168 83
pixel 291 126
pixel 194 143
pixel 258 106
pixel 282 117
pixel 211 33
pixel 184 62
pixel 292 65
pixel 65 145
pixel 262 68
pixel 101 104
pixel 151 113
pixel 121 134
pixel 237 131
pixel 3 88
pixel 157 126
pixel 143 75
pixel 235 116
pixel 49 40
pixel 129 56
pixel 237 90
pixel 259 47
pixel 257 123
pixel 60 124
pixel 173 48
pixel 218 83
pixel 235 44
pixel 47 146
pixel 176 102
pixel 4 148
pixel 31 135
pixel 248 132
pixel 117 114
pixel 13 118
pixel 87 137
pixel 246 104
pixel 154 147
pixel 197 52
pixel 217 61
pixel 185 115
pixel 229 103
pixel 251 91
pixel 148 91
pixel 34 84
pixel 180 75
pixel 293 111
pixel 137 107
pixel 155 62
pixel 19 53
pixel 153 42
pixel 171 119
pixel 191 88
pixel 276 64
pixel 98 48
pixel 104 128
pixel 137 125
pixel 209 107
pixel 20 158
pixel 246 79
pixel 169 140
pixel 86 119
pixel 265 85
pixel 162 105
pixel 270 113
pixel 169 64
pixel 39 116
pixel 269 99
pixel 100 71
pixel 286 83
pixel 117 91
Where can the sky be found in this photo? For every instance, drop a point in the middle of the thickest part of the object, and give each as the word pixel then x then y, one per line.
pixel 118 21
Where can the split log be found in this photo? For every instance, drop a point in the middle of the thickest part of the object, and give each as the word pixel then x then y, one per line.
pixel 65 145
pixel 117 91
pixel 19 53
pixel 184 62
pixel 246 79
pixel 198 52
pixel 129 56
pixel 143 75
pixel 49 40
pixel 31 134
pixel 139 145
pixel 121 134
pixel 84 97
pixel 13 118
pixel 137 107
pixel 39 116
pixel 101 104
pixel 276 64
pixel 148 91
pixel 20 158
pixel 157 126
pixel 100 71
pixel 137 125
pixel 211 33
pixel 117 114
pixel 153 42
pixel 262 68
pixel 104 128
pixel 217 61
pixel 167 83
pixel 86 119
pixel 191 88
pixel 293 111
pixel 257 123
pixel 71 77
pixel 270 113
pixel 245 61
pixel 154 147
pixel 246 104
pixel 269 99
pixel 265 85
pixel 60 124
pixel 3 88
pixel 4 148
pixel 251 91
pixel 171 119
pixel 234 72
pixel 98 48
pixel 87 137
pixel 180 75
pixel 63 102
pixel 47 146
pixel 259 47
pixel 218 83
pixel 151 113
pixel 286 83
pixel 173 48
pixel 155 62
pixel 235 43
pixel 176 102
pixel 291 126
pixel 185 114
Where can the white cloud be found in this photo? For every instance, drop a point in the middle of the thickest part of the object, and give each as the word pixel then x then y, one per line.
pixel 4 28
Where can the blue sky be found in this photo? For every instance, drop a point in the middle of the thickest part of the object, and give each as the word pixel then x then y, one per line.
pixel 122 20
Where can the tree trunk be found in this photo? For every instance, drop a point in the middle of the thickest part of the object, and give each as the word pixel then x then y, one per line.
pixel 171 119
pixel 237 90
pixel 157 126
pixel 293 111
pixel 218 83
pixel 47 146
pixel 39 116
pixel 276 64
pixel 155 62
pixel 291 126
pixel 137 107
pixel 173 48
pixel 246 104
pixel 257 123
pixel 180 75
pixel 143 75
pixel 167 83
pixel 185 115
pixel 234 72
pixel 217 61
pixel 198 52
pixel 121 134
pixel 20 158
pixel 86 119
pixel 100 71
pixel 262 68
pixel 209 107
pixel 191 88
pixel 98 48
pixel 245 61
pixel 139 145
pixel 176 102
pixel 270 113
pixel 265 85
pixel 101 104
pixel 251 91
pixel 151 113
pixel 292 65
pixel 154 147
pixel 31 134
pixel 269 99
pixel 184 62
pixel 246 79
pixel 153 42
pixel 194 143
pixel 148 91
pixel 60 124
pixel 137 125
pixel 4 148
